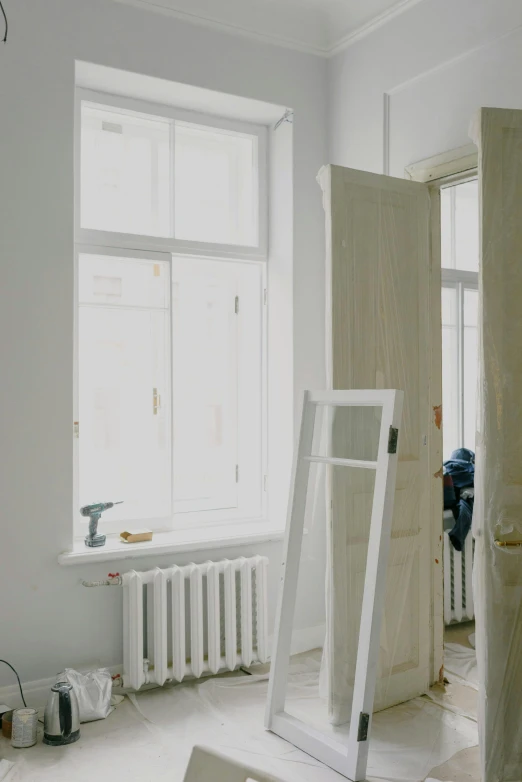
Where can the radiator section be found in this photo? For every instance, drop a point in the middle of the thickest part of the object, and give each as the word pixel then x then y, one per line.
pixel 458 587
pixel 194 620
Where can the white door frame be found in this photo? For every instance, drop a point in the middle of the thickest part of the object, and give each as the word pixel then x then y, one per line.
pixel 347 758
pixel 452 167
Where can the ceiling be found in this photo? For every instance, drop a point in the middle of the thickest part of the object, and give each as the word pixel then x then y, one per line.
pixel 319 26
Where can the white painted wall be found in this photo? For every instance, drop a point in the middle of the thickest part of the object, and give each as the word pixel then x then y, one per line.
pixel 438 62
pixel 47 620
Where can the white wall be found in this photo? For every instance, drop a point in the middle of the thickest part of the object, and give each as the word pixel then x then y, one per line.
pixel 438 63
pixel 47 620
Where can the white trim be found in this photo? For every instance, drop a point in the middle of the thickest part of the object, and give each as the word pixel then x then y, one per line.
pixel 446 169
pixel 92 241
pixel 370 27
pixel 80 523
pixel 179 521
pixel 239 533
pixel 461 161
pixel 455 276
pixel 230 29
pixel 171 244
pixel 328 50
pixel 460 281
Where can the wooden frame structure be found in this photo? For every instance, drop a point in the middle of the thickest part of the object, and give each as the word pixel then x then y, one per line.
pixel 349 759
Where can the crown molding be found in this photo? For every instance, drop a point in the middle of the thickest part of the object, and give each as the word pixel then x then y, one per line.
pixel 370 27
pixel 289 43
pixel 224 27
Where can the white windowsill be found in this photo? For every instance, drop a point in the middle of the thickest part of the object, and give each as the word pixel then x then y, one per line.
pixel 173 542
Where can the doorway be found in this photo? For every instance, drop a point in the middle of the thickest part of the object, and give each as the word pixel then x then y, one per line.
pixel 454 177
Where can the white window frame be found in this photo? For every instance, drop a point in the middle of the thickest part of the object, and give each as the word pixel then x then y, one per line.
pixel 452 168
pixel 96 242
pixel 460 281
pixel 91 236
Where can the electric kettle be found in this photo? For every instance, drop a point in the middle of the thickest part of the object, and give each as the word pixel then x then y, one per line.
pixel 62 716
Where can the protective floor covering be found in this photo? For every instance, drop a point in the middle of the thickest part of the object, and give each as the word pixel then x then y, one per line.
pixel 150 735
pixel 461 662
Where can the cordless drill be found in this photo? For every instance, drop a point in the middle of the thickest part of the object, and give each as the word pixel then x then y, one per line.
pixel 94 538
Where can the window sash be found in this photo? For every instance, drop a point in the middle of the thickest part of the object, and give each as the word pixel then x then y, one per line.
pixel 126 241
pixel 251 501
pixel 459 282
pixel 93 241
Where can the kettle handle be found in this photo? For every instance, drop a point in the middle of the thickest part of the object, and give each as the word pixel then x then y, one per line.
pixel 65 710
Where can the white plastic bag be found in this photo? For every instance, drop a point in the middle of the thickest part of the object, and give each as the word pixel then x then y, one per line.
pixel 93 690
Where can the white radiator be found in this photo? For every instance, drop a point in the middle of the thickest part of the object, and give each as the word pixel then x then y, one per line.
pixel 192 620
pixel 458 589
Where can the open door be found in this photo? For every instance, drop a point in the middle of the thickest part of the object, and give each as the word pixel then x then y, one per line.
pixel 384 331
pixel 497 521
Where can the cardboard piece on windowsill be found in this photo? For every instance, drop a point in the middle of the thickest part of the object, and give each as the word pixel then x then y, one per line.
pixel 136 536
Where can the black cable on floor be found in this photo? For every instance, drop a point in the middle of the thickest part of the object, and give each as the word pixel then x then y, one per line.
pixel 19 682
pixel 5 20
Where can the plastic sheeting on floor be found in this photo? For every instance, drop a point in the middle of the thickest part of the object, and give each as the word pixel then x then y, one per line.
pixel 150 735
pixel 8 772
pixel 461 662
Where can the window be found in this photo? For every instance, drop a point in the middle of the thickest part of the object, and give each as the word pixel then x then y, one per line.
pixel 460 259
pixel 171 250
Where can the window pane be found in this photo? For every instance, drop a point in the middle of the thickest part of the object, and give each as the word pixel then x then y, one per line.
pixel 460 226
pixel 125 172
pixel 215 185
pixel 205 386
pixel 446 228
pixel 347 432
pixel 471 297
pixel 470 366
pixel 124 443
pixel 449 305
pixel 450 377
pixel 217 388
pixel 467 226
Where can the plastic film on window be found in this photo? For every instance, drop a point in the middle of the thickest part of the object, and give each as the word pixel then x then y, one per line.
pixel 380 313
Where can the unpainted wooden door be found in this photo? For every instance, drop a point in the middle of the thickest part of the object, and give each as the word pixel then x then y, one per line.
pixel 383 331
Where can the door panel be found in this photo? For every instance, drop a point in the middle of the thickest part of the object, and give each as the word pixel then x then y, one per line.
pixel 497 517
pixel 379 305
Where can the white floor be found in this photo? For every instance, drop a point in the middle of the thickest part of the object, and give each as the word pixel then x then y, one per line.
pixel 149 737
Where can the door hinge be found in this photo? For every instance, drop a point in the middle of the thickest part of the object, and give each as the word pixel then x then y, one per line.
pixel 236 305
pixel 364 722
pixel 237 473
pixel 265 296
pixel 265 482
pixel 156 401
pixel 76 429
pixel 392 440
